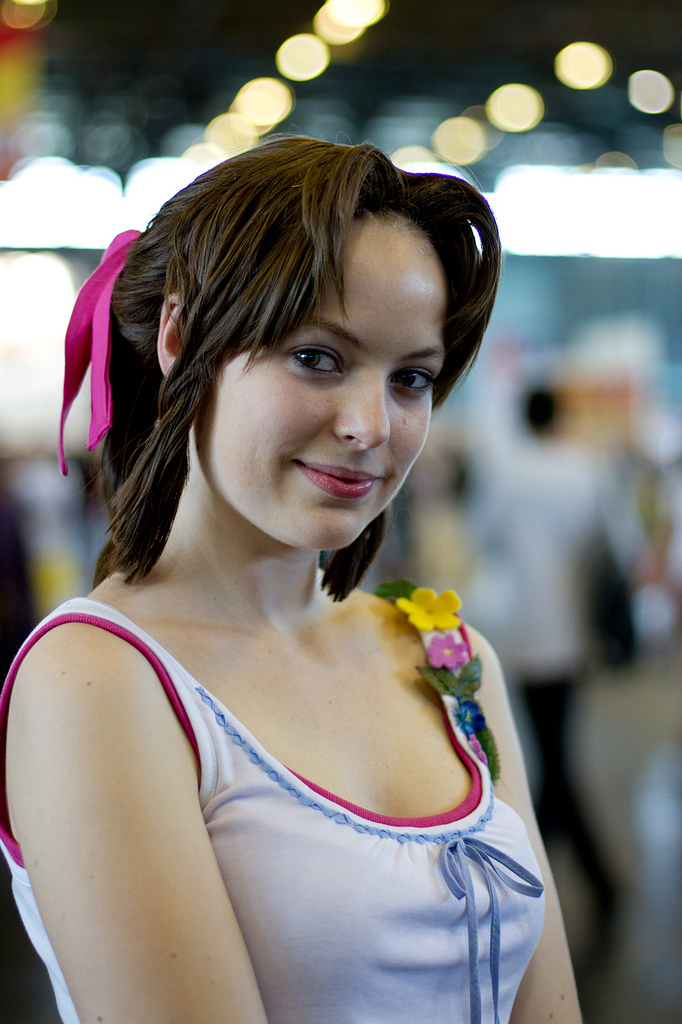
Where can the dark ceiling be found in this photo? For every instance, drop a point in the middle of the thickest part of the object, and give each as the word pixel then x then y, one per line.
pixel 152 66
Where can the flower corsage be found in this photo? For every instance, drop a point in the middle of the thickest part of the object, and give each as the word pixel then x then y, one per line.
pixel 450 670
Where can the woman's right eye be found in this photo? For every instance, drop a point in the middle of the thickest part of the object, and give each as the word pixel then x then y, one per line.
pixel 316 359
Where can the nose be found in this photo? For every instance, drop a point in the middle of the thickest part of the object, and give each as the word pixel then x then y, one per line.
pixel 363 420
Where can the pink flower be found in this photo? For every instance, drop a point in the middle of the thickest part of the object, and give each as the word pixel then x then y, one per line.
pixel 446 652
pixel 478 749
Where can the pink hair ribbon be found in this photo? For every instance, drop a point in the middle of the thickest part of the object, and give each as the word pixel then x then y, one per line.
pixel 88 342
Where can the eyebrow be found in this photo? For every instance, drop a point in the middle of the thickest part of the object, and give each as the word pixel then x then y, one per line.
pixel 352 339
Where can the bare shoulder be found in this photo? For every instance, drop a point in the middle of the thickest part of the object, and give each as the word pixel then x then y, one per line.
pixel 83 696
pixel 366 610
pixel 375 628
pixel 77 660
pixel 103 795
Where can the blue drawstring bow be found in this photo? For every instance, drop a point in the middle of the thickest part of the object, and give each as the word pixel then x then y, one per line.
pixel 454 857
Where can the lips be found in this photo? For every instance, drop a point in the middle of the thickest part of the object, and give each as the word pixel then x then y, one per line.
pixel 337 480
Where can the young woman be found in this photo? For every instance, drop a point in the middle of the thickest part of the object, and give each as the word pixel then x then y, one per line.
pixel 231 794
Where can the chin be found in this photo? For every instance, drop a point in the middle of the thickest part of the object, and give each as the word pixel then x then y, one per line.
pixel 328 537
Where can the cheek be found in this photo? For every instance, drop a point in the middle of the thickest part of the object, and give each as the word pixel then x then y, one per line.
pixel 263 429
pixel 409 433
pixel 293 414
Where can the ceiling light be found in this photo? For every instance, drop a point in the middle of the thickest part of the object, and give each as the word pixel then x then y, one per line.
pixel 592 212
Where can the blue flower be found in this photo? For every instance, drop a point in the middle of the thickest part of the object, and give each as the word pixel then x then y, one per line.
pixel 471 717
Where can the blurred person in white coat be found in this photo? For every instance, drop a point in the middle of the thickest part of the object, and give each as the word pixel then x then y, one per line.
pixel 542 525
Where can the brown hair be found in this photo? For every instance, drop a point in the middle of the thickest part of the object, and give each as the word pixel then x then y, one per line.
pixel 251 247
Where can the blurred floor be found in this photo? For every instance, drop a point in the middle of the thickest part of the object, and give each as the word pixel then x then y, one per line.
pixel 627 739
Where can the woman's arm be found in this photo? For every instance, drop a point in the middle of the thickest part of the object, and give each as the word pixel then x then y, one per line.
pixel 547 994
pixel 102 788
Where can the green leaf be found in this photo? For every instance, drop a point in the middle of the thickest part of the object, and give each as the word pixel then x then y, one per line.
pixel 469 679
pixel 441 679
pixel 487 741
pixel 398 588
pixel 463 686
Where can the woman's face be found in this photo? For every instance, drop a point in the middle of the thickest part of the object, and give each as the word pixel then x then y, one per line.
pixel 308 443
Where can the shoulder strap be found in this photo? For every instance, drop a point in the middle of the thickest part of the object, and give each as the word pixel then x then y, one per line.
pixel 465 636
pixel 111 627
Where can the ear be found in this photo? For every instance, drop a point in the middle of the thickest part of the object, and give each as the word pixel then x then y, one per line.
pixel 168 341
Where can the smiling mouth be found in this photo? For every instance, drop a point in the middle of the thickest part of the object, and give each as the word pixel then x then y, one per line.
pixel 337 480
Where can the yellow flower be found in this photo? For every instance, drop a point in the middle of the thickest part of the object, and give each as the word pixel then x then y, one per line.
pixel 426 611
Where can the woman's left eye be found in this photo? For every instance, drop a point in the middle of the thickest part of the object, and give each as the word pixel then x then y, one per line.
pixel 316 359
pixel 415 380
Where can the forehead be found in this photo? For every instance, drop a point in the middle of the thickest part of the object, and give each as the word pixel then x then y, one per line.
pixel 390 228
pixel 394 292
pixel 391 256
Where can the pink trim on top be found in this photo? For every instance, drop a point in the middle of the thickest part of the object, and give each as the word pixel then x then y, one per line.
pixel 467 806
pixel 111 627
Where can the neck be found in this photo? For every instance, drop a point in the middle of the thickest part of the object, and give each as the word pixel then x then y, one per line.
pixel 248 587
pixel 228 569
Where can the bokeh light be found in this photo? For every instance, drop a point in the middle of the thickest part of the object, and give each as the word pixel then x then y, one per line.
pixel 418 159
pixel 231 133
pixel 407 157
pixel 650 91
pixel 672 144
pixel 614 158
pixel 302 57
pixel 356 13
pixel 22 15
pixel 515 108
pixel 461 140
pixel 265 101
pixel 583 66
pixel 493 136
pixel 336 35
pixel 204 154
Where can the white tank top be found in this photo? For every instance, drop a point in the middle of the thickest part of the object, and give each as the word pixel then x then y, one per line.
pixel 349 917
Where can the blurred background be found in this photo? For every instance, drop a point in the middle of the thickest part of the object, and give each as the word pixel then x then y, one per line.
pixel 550 491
